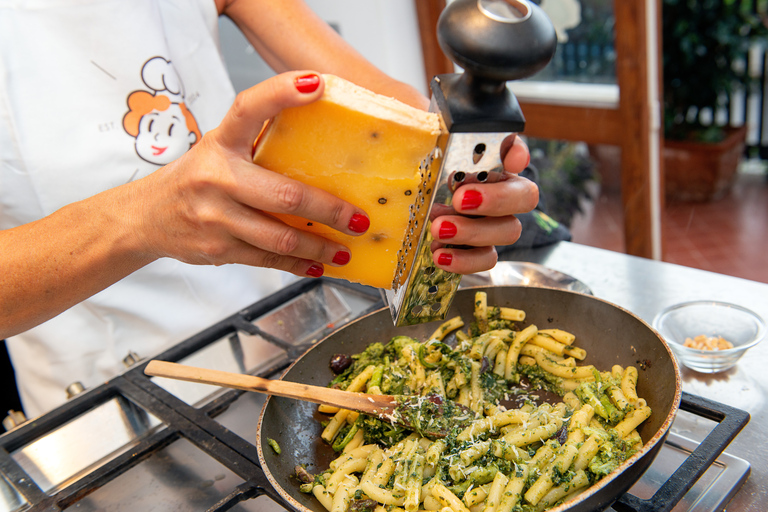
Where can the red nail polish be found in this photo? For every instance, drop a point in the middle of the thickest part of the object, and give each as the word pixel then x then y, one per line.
pixel 359 223
pixel 315 271
pixel 445 259
pixel 341 258
pixel 471 200
pixel 447 230
pixel 307 83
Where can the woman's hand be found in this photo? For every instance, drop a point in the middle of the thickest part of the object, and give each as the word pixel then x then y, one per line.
pixel 209 206
pixel 495 204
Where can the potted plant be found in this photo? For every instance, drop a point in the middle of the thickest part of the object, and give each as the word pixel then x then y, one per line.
pixel 705 45
pixel 565 173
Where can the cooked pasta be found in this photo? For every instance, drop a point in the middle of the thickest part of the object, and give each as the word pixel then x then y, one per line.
pixel 496 458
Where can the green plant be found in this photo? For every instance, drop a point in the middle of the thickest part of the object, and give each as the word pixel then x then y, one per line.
pixel 564 174
pixel 705 45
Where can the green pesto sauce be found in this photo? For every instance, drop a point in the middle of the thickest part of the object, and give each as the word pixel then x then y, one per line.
pixel 431 419
pixel 394 374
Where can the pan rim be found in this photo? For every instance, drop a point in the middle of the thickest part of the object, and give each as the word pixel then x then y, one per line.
pixel 649 449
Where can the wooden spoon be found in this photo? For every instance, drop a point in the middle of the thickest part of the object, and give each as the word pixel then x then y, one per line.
pixel 388 408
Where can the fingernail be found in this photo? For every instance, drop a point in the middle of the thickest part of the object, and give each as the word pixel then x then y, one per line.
pixel 315 271
pixel 445 259
pixel 359 223
pixel 471 200
pixel 341 258
pixel 307 83
pixel 447 230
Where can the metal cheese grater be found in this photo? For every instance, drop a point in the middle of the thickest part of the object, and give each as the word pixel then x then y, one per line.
pixel 493 41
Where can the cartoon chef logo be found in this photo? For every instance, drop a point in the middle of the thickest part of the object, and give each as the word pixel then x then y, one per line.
pixel 159 120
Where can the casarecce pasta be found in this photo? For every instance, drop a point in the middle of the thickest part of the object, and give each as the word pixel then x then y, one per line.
pixel 527 457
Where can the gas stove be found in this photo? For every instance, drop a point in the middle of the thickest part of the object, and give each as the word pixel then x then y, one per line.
pixel 140 443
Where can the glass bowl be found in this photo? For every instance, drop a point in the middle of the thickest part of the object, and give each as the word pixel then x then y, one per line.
pixel 736 324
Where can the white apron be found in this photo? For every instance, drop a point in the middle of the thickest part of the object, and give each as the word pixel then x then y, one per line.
pixel 94 94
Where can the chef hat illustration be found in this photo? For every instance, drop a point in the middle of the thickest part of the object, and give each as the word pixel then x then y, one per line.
pixel 160 76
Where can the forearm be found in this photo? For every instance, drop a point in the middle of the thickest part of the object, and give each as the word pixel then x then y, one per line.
pixel 290 36
pixel 52 264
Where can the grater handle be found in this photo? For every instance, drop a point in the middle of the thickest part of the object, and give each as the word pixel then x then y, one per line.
pixel 497 40
pixel 494 41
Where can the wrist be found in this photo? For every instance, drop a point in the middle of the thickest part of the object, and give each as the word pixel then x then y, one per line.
pixel 120 214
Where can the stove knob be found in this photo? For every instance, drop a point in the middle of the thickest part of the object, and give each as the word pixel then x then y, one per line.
pixel 75 389
pixel 13 420
pixel 131 359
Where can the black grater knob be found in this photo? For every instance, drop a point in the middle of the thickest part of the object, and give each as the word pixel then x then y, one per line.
pixel 493 41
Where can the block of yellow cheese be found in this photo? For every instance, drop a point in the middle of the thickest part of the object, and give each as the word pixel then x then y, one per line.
pixel 364 148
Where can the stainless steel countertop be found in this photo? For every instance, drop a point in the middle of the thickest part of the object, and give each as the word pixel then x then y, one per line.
pixel 645 287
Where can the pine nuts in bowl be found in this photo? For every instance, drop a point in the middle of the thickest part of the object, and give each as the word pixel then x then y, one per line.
pixel 709 336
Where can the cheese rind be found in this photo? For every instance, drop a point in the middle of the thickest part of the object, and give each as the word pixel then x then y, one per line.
pixel 363 148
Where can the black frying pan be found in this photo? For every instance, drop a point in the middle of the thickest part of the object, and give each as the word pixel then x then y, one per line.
pixel 609 334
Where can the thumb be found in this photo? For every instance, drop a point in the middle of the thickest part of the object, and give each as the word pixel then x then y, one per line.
pixel 256 105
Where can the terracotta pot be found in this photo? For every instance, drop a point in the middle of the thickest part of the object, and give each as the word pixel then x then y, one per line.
pixel 696 171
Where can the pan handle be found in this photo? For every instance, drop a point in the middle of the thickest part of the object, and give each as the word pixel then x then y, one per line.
pixel 731 422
